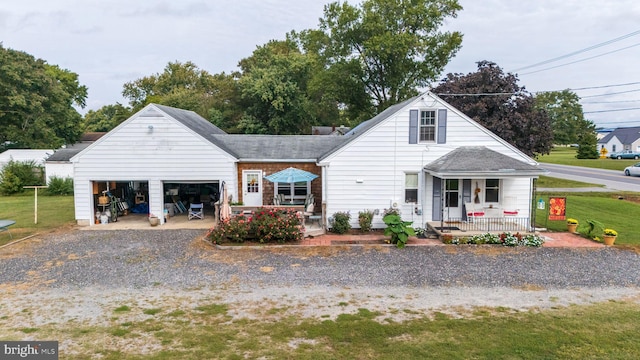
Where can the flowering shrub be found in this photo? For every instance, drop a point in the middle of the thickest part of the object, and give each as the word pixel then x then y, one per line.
pixel 571 221
pixel 234 229
pixel 277 225
pixel 610 232
pixel 505 239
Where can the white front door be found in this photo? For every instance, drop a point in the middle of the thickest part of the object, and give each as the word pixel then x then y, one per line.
pixel 252 187
pixel 452 195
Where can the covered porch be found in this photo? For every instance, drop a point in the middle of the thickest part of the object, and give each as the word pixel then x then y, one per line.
pixel 478 190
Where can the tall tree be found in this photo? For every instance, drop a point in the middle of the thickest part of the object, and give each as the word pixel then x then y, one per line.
pixel 37 102
pixel 566 115
pixel 106 118
pixel 274 85
pixel 184 85
pixel 497 102
pixel 385 49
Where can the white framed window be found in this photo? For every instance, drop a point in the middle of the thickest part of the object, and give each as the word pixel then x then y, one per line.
pixel 427 125
pixel 492 191
pixel 411 188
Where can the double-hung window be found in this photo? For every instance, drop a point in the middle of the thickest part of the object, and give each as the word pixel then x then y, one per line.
pixel 411 188
pixel 492 191
pixel 427 125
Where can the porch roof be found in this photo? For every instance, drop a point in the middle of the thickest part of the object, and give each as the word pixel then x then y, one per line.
pixel 480 162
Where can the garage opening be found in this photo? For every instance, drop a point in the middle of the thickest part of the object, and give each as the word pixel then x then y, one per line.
pixel 114 200
pixel 178 196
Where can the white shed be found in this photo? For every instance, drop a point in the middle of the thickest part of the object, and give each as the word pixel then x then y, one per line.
pixel 160 155
pixel 38 156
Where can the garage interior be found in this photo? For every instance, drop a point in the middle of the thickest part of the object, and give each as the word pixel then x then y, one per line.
pixel 116 201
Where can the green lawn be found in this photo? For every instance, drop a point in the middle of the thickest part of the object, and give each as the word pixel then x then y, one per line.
pixel 606 208
pixel 567 156
pixel 602 331
pixel 53 212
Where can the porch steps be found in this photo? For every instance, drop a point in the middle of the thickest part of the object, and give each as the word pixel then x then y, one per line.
pixel 313 232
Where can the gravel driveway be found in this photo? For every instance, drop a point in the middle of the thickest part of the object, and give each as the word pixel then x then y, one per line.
pixel 84 273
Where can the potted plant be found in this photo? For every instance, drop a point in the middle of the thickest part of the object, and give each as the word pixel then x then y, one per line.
pixel 572 224
pixel 609 236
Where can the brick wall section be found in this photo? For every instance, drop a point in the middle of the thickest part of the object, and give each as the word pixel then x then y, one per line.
pixel 267 186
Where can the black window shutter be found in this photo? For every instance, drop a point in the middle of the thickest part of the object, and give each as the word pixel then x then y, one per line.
pixel 442 126
pixel 413 126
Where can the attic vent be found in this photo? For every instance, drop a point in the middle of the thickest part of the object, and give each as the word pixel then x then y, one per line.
pixel 150 113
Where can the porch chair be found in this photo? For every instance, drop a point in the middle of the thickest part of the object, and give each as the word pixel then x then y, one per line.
pixel 196 211
pixel 472 212
pixel 309 216
pixel 509 206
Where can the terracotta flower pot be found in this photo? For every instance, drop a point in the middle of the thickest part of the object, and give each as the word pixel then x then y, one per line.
pixel 608 239
pixel 154 221
pixel 572 227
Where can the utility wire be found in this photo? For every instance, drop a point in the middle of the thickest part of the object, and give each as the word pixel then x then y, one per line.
pixel 614 110
pixel 613 93
pixel 610 102
pixel 578 51
pixel 581 60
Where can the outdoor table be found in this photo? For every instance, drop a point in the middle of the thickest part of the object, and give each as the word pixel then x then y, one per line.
pixel 4 226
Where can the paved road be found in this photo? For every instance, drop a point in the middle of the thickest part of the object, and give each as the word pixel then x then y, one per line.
pixel 612 179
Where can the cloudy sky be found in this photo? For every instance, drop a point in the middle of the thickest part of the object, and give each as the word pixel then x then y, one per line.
pixel 111 42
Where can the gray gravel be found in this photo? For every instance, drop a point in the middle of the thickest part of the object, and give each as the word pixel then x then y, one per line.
pixel 138 259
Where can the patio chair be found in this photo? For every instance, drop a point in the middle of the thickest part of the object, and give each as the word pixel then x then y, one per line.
pixel 196 211
pixel 472 212
pixel 309 216
pixel 509 207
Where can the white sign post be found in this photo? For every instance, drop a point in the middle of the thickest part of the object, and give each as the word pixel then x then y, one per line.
pixel 35 207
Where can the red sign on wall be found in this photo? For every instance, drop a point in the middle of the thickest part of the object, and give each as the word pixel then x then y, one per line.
pixel 557 208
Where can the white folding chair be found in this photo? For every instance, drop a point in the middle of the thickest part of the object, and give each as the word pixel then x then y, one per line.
pixel 196 211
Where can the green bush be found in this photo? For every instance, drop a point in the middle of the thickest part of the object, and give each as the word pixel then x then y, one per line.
pixel 18 174
pixel 398 229
pixel 365 218
pixel 340 222
pixel 60 186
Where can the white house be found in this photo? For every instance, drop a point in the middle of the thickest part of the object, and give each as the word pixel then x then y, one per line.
pixel 626 138
pixel 421 156
pixel 427 159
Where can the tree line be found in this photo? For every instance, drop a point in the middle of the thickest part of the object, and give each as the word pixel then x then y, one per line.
pixel 360 60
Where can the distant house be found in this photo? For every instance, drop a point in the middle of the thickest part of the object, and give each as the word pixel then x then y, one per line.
pixel 422 157
pixel 626 138
pixel 38 156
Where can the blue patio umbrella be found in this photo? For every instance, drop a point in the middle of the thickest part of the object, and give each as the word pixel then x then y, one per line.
pixel 291 175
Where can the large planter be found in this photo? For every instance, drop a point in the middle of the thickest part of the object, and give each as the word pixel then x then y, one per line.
pixel 608 239
pixel 572 227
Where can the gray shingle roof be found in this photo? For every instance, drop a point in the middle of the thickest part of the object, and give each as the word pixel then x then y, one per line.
pixel 626 136
pixel 278 147
pixel 67 153
pixel 480 160
pixel 198 124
